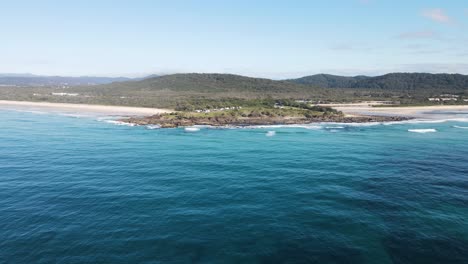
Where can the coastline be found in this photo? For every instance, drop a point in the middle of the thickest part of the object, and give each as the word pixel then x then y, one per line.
pixel 168 122
pixel 353 113
pixel 407 111
pixel 110 110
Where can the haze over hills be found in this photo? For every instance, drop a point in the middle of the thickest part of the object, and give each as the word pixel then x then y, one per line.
pixel 38 80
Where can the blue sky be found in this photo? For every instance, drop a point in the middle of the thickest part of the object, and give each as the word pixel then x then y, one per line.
pixel 276 39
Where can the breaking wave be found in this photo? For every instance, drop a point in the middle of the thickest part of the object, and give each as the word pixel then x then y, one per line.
pixel 423 131
pixel 191 129
pixel 151 127
pixel 119 123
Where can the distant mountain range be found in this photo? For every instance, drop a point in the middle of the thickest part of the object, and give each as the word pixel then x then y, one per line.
pixel 391 81
pixel 212 84
pixel 14 79
pixel 170 90
pixel 35 80
pixel 207 82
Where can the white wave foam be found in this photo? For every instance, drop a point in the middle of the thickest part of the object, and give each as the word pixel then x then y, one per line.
pixel 426 121
pixel 75 115
pixel 119 123
pixel 329 126
pixel 191 129
pixel 151 127
pixel 28 111
pixel 368 124
pixel 270 133
pixel 306 126
pixel 423 131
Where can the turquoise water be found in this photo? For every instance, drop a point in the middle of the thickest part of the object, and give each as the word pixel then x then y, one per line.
pixel 79 190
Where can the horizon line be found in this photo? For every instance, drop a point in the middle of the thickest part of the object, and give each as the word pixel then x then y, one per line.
pixel 140 76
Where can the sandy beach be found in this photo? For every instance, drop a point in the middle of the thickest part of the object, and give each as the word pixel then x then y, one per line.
pixel 355 109
pixel 83 108
pixel 407 111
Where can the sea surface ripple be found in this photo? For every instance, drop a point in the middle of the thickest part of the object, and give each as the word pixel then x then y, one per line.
pixel 79 190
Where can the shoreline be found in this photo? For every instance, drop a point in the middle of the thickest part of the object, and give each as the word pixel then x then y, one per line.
pixel 353 113
pixel 428 112
pixel 84 108
pixel 162 122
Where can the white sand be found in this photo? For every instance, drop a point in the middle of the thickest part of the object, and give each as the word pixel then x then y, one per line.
pixel 83 108
pixel 348 109
pixel 409 111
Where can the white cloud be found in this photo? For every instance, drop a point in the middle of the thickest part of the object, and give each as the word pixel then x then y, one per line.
pixel 437 15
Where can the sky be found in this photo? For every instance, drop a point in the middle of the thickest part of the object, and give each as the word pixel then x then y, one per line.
pixel 273 39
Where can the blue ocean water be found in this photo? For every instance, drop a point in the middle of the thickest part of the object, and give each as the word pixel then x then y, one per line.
pixel 79 190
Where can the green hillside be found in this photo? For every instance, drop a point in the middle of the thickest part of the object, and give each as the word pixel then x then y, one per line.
pixel 329 81
pixel 167 91
pixel 394 81
pixel 176 89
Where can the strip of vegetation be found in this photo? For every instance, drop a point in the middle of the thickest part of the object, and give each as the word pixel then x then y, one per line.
pixel 228 103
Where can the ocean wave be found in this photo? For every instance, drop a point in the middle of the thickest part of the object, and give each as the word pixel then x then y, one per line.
pixel 27 111
pixel 367 124
pixel 423 131
pixel 151 127
pixel 75 115
pixel 426 121
pixel 329 126
pixel 270 133
pixel 191 129
pixel 119 123
pixel 305 126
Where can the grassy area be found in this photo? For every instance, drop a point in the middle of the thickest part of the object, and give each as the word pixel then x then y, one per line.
pixel 237 108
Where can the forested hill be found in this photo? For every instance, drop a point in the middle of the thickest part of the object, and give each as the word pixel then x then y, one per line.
pixel 391 81
pixel 168 90
pixel 208 83
pixel 172 90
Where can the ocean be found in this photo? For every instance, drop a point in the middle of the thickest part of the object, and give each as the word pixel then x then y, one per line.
pixel 79 189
